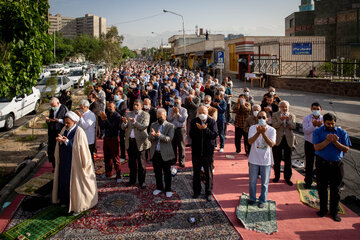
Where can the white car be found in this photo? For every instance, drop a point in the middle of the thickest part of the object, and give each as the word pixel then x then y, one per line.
pixel 75 67
pixel 79 78
pixel 63 83
pixel 45 73
pixel 56 69
pixel 100 70
pixel 13 109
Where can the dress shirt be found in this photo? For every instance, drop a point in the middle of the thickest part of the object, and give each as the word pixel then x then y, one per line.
pixel 179 120
pixel 308 127
pixel 69 131
pixel 88 124
pixel 260 152
pixel 57 110
pixel 132 134
pixel 158 142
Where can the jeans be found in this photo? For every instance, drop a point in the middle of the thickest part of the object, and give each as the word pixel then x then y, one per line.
pixel 309 157
pixel 253 175
pixel 221 126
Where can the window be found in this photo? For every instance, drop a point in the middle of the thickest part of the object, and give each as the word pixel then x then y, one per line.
pixel 291 23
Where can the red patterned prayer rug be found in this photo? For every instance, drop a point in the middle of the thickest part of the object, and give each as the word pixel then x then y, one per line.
pixel 131 213
pixel 100 165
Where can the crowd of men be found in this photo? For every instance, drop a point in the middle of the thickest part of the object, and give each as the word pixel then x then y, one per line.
pixel 149 112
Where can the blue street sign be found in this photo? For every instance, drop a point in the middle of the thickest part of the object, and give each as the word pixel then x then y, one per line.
pixel 220 57
pixel 302 48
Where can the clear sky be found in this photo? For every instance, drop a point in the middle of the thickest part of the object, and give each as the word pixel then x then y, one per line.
pixel 249 17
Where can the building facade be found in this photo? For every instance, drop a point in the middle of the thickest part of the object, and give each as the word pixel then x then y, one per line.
pixel 71 27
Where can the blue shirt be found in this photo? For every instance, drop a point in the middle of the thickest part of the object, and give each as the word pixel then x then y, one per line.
pixel 330 152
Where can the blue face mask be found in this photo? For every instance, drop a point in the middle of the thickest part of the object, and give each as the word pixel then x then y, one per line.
pixel 316 113
pixel 262 122
pixel 116 97
pixel 54 108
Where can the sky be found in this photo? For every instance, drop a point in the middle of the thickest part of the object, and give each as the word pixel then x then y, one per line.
pixel 143 23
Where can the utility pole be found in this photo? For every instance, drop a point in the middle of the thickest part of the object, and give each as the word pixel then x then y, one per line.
pixel 54 48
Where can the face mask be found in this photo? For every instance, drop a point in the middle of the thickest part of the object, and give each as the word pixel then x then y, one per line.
pixel 171 99
pixel 161 121
pixel 316 113
pixel 116 97
pixel 207 105
pixel 272 93
pixel 54 108
pixel 242 101
pixel 255 113
pixel 262 122
pixel 148 88
pixel 171 87
pixel 202 117
pixel 246 93
pixel 197 89
pixel 146 107
pixel 112 86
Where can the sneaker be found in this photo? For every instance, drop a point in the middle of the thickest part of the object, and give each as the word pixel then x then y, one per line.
pixel 76 213
pixel 209 198
pixel 321 214
pixel 168 194
pixel 122 160
pixel 289 182
pixel 261 205
pixel 157 192
pixel 275 180
pixel 119 180
pixel 221 150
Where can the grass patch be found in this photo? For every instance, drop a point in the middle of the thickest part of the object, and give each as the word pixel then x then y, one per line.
pixel 29 138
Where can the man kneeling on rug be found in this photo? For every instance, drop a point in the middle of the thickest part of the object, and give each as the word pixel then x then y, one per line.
pixel 261 138
pixel 74 178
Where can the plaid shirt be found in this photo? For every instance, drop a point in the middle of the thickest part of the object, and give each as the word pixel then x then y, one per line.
pixel 242 112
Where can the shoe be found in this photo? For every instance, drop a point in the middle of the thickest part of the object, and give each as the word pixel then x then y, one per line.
pixel 156 192
pixel 182 165
pixel 336 218
pixel 63 205
pixel 168 194
pixel 119 180
pixel 122 160
pixel 321 214
pixel 275 180
pixel 196 195
pixel 209 198
pixel 76 213
pixel 221 150
pixel 251 202
pixel 289 182
pixel 129 184
pixel 142 187
pixel 236 152
pixel 261 205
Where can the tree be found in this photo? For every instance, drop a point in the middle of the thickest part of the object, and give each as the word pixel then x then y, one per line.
pixel 87 45
pixel 127 53
pixel 64 48
pixel 24 44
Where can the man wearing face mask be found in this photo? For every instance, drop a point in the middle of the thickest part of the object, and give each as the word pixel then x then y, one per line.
pixel 133 94
pixel 55 123
pixel 212 112
pixel 262 138
pixel 250 120
pixel 220 104
pixel 271 92
pixel 177 116
pixel 191 104
pixel 74 184
pixel 110 122
pixel 310 123
pixel 285 123
pixel 153 118
pixel 135 124
pixel 248 97
pixel 151 93
pixel 242 109
pixel 330 143
pixel 161 151
pixel 203 132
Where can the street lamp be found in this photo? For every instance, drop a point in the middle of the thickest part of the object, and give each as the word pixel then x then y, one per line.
pixel 183 25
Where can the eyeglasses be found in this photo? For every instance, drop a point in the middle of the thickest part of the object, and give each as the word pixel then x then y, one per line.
pixel 262 117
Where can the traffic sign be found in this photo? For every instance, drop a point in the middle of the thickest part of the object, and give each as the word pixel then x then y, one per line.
pixel 220 57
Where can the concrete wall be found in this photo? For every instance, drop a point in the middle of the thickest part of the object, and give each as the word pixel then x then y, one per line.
pixel 316 85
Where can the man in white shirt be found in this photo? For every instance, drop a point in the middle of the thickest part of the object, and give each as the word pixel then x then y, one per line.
pixel 88 123
pixel 262 138
pixel 310 123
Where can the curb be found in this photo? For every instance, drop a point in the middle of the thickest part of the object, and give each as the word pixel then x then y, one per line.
pixel 9 188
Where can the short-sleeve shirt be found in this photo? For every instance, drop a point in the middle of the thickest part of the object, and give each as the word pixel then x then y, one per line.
pixel 330 152
pixel 261 153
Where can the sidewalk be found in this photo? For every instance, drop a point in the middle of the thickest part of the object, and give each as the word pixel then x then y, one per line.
pixel 346 109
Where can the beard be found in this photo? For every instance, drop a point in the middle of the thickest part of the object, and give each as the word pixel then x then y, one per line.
pixel 329 129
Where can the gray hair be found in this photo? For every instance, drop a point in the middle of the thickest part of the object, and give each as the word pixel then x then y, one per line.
pixel 161 110
pixel 256 105
pixel 284 102
pixel 207 97
pixel 54 100
pixel 84 103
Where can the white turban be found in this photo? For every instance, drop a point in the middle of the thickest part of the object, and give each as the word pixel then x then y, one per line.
pixel 73 116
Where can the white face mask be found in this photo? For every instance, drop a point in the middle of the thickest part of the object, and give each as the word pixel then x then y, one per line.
pixel 272 93
pixel 242 101
pixel 147 107
pixel 203 117
pixel 246 93
pixel 207 105
pixel 255 113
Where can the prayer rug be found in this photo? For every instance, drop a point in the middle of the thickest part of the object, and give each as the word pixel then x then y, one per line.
pixel 255 218
pixel 132 213
pixel 34 184
pixel 100 165
pixel 311 197
pixel 43 225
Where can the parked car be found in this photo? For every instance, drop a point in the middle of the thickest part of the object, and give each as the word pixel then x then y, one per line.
pixel 75 67
pixel 63 83
pixel 100 70
pixel 45 73
pixel 17 107
pixel 79 78
pixel 56 69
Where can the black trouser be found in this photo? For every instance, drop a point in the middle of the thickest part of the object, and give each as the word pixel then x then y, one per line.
pixel 51 147
pixel 159 166
pixel 277 151
pixel 122 143
pixel 137 163
pixel 329 173
pixel 309 158
pixel 199 161
pixel 178 144
pixel 246 143
pixel 92 150
pixel 239 133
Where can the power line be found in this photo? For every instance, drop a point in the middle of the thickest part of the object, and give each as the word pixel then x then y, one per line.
pixel 139 19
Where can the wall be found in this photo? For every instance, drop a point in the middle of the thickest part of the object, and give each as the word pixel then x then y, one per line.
pixel 316 85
